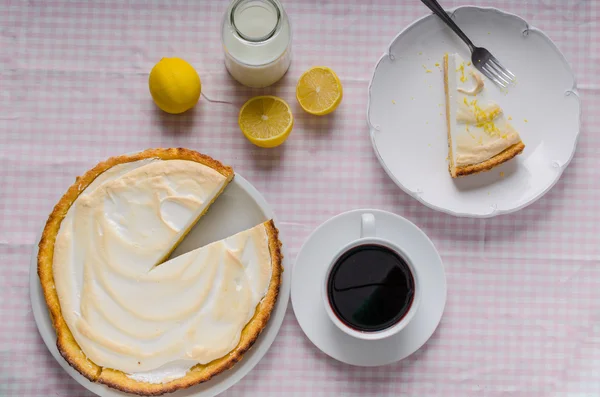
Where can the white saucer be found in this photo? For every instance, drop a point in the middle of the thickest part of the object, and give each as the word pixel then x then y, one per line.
pixel 308 273
pixel 406 113
pixel 239 207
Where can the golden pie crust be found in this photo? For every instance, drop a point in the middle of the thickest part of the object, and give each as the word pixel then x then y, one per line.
pixel 68 347
pixel 487 165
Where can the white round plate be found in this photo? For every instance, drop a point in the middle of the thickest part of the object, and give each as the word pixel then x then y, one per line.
pixel 406 113
pixel 238 208
pixel 309 272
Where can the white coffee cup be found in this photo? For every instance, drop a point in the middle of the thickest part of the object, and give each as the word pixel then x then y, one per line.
pixel 368 236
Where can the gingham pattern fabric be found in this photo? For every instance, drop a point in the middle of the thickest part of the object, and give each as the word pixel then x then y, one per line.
pixel 523 311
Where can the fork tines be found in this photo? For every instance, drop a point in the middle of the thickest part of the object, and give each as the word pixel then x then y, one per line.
pixel 494 71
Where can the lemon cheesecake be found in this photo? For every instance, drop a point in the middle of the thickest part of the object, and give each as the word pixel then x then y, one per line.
pixel 125 317
pixel 480 136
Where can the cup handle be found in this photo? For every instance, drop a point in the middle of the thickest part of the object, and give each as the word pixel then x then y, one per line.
pixel 367 225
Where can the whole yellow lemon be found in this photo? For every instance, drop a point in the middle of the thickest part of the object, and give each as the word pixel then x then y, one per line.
pixel 175 85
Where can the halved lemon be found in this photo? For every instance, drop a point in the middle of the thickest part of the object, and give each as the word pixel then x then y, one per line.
pixel 319 90
pixel 266 121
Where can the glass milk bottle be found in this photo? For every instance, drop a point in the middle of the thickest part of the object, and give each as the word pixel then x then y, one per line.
pixel 257 40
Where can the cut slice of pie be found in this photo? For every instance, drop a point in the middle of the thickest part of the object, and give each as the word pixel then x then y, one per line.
pixel 479 134
pixel 124 317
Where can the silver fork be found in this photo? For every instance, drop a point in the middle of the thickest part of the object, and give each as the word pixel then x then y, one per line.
pixel 481 58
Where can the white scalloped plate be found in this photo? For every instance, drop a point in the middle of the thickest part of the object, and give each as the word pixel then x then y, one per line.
pixel 406 113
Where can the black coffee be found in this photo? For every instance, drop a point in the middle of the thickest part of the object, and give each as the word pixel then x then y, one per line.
pixel 370 288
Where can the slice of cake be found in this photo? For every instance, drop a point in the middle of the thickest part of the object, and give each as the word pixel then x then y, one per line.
pixel 479 134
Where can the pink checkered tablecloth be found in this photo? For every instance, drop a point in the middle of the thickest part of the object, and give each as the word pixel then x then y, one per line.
pixel 523 311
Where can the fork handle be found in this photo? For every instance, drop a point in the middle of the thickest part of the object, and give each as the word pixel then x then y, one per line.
pixel 437 9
